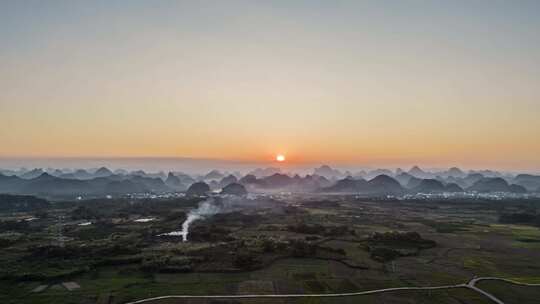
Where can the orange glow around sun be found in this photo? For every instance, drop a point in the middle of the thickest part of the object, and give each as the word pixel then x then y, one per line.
pixel 280 158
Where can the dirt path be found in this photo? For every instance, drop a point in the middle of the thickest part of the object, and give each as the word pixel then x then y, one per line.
pixel 471 285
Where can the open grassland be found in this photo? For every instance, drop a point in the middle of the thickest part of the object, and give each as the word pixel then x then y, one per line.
pixel 513 294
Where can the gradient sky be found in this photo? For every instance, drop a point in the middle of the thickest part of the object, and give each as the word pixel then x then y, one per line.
pixel 438 83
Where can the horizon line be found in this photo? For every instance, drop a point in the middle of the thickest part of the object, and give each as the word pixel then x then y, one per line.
pixel 245 164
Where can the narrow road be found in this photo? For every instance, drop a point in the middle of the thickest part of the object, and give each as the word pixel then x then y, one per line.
pixel 471 285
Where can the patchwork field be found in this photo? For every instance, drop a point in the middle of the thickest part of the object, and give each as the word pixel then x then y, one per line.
pixel 293 245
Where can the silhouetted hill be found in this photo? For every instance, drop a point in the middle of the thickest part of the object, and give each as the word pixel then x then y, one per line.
pixel 360 174
pixel 417 172
pixel 452 187
pixel 374 173
pixel 234 189
pixel 137 173
pixel 248 179
pixel 347 185
pixel 161 175
pixel 403 178
pixel 82 174
pixel 214 185
pixel 264 172
pixel 311 183
pixel 198 188
pixel 413 182
pixel 327 172
pixel 121 172
pixel 81 183
pixel 154 184
pixel 184 178
pixel 47 185
pixel 10 184
pixel 495 184
pixel 32 173
pixel 490 185
pixel 472 178
pixel 487 173
pixel 172 180
pixel 456 180
pixel 67 176
pixel 530 182
pixel 455 172
pixel 517 189
pixel 429 186
pixel 102 172
pixel 229 179
pixel 275 181
pixel 384 184
pixel 214 174
pixel 380 185
pixel 55 172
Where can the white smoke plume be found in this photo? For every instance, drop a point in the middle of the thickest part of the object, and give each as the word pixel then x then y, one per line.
pixel 213 206
pixel 206 208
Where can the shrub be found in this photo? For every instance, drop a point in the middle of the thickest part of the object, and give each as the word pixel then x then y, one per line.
pixel 383 254
pixel 301 248
pixel 245 260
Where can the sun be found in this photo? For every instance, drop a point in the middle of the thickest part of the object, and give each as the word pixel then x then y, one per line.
pixel 280 158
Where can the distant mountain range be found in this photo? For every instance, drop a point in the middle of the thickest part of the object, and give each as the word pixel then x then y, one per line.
pixel 51 186
pixel 103 181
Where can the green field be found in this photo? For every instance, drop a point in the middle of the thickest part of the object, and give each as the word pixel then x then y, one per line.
pixel 270 250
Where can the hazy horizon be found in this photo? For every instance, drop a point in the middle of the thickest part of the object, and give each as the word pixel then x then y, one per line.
pixel 200 165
